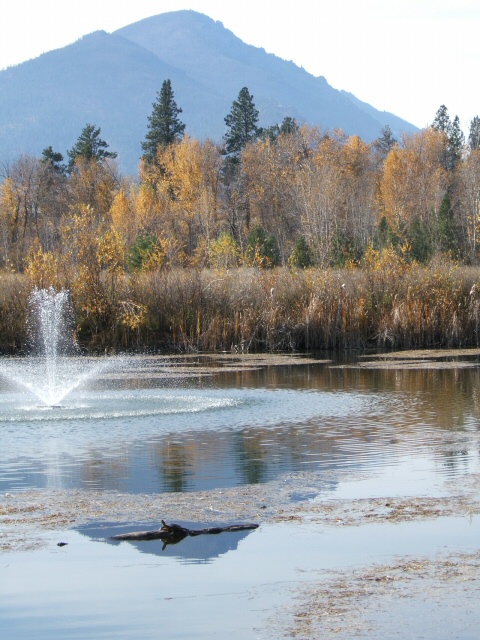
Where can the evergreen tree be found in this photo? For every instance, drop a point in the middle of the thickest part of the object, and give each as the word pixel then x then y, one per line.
pixel 421 241
pixel 301 255
pixel 474 136
pixel 384 236
pixel 262 249
pixel 53 159
pixel 456 142
pixel 164 125
pixel 445 230
pixel 443 124
pixel 442 121
pixel 242 124
pixel 342 250
pixel 90 147
pixel 289 125
pixel 385 142
pixel 142 251
pixel 454 137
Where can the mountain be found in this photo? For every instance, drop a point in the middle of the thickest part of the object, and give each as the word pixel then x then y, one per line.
pixel 103 79
pixel 111 80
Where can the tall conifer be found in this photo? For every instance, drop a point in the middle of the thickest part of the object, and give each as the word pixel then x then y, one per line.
pixel 89 146
pixel 164 125
pixel 242 124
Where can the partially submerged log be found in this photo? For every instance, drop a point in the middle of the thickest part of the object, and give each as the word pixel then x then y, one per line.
pixel 173 533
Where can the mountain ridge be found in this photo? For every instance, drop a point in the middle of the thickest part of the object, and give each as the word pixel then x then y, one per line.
pixel 111 80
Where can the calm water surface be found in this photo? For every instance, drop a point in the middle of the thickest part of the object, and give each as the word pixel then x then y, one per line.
pixel 144 430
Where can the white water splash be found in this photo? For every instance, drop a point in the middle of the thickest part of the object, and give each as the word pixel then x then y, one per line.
pixel 54 369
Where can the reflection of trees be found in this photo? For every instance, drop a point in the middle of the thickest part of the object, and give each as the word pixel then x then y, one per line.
pixel 411 407
pixel 100 472
pixel 444 398
pixel 259 454
pixel 249 454
pixel 175 461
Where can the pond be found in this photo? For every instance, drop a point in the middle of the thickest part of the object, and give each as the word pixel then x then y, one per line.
pixel 346 464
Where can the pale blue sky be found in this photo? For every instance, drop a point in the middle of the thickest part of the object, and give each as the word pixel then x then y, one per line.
pixel 403 56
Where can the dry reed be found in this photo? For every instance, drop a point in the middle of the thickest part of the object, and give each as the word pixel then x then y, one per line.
pixel 246 310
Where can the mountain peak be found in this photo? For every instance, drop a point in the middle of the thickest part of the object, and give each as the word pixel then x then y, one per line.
pixel 112 80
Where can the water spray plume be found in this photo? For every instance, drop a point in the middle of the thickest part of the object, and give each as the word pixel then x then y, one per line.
pixel 54 367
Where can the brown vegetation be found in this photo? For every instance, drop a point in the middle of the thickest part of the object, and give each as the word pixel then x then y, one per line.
pixel 364 245
pixel 388 303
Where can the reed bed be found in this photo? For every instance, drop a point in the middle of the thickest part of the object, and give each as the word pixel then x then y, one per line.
pixel 248 310
pixel 14 292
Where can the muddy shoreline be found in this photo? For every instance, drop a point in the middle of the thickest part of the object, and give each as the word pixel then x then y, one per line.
pixel 25 516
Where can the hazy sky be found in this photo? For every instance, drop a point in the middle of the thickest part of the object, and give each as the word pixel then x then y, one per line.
pixel 403 56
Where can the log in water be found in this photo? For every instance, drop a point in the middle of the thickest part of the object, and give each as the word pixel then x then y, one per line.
pixel 172 533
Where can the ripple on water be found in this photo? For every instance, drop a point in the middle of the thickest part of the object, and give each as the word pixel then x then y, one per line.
pixel 156 439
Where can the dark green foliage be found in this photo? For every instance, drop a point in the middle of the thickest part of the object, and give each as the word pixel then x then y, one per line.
pixel 301 255
pixel 164 125
pixel 474 135
pixel 54 159
pixel 421 241
pixel 241 123
pixel 289 126
pixel 89 146
pixel 385 142
pixel 384 236
pixel 445 230
pixel 454 138
pixel 141 251
pixel 262 248
pixel 442 121
pixel 456 142
pixel 342 250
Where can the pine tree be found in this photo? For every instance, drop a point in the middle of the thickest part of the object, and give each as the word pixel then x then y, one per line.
pixel 301 255
pixel 289 126
pixel 456 142
pixel 242 124
pixel 442 120
pixel 454 138
pixel 90 147
pixel 164 125
pixel 53 159
pixel 385 142
pixel 474 136
pixel 443 124
pixel 444 228
pixel 262 249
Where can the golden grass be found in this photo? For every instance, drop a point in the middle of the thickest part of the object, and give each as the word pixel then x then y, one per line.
pixel 247 309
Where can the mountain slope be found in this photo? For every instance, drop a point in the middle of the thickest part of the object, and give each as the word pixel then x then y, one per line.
pixel 102 79
pixel 111 80
pixel 205 50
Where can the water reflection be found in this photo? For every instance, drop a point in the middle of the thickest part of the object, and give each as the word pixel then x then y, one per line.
pixel 92 589
pixel 242 427
pixel 200 549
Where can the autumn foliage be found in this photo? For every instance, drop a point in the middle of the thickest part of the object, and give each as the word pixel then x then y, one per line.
pixel 309 240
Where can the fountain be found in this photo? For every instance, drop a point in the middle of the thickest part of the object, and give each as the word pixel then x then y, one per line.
pixel 53 368
pixel 146 422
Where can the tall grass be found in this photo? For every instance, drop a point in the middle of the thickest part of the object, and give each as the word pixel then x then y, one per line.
pixel 270 310
pixel 247 310
pixel 14 292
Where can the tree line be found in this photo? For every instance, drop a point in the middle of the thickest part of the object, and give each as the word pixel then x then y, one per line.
pixel 287 195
